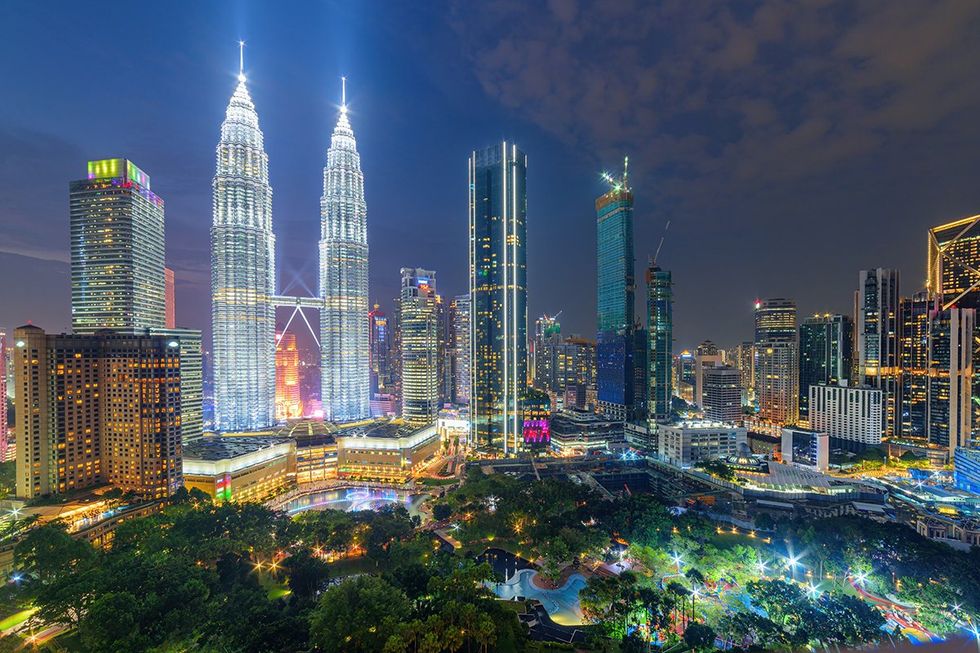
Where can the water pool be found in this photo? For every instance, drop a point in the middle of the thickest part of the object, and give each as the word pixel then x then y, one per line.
pixel 562 604
pixel 352 499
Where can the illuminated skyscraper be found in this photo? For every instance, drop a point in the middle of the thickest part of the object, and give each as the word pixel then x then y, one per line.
pixel 660 326
pixel 288 403
pixel 547 334
pixel 776 361
pixel 460 326
pixel 825 354
pixel 914 359
pixel 616 287
pixel 379 347
pixel 345 368
pixel 706 356
pixel 498 292
pixel 418 321
pixel 170 294
pixel 243 273
pixel 117 249
pixel 877 339
pixel 3 397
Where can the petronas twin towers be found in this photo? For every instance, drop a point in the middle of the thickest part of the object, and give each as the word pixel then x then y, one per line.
pixel 243 276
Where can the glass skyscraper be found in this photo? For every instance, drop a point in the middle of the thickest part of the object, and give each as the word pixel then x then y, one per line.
pixel 777 373
pixel 825 354
pixel 243 319
pixel 498 294
pixel 878 339
pixel 660 303
pixel 345 372
pixel 117 249
pixel 616 286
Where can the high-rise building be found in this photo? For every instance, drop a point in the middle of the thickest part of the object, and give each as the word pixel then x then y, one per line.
pixel 243 273
pixel 188 341
pixel 288 403
pixel 877 339
pixel 722 397
pixel 498 292
pixel 850 416
pixel 615 287
pixel 345 366
pixel 914 361
pixel 419 346
pixel 379 349
pixel 706 356
pixel 949 385
pixel 776 362
pixel 684 373
pixel 743 359
pixel 547 334
pixel 170 295
pixel 660 330
pixel 459 310
pixel 98 409
pixel 117 249
pixel 825 354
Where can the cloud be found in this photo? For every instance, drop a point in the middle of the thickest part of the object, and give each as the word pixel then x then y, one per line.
pixel 756 93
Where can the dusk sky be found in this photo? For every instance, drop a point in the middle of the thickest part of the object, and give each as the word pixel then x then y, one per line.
pixel 789 144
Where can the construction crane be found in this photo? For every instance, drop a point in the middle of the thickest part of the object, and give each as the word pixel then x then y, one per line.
pixel 623 182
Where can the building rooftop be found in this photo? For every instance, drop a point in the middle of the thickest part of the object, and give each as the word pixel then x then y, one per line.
pixel 217 447
pixel 704 424
pixel 379 428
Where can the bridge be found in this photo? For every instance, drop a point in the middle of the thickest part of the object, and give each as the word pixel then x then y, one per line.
pixel 298 304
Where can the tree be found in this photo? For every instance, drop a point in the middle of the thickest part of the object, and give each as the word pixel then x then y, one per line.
pixel 441 511
pixel 307 574
pixel 49 551
pixel 358 616
pixel 699 636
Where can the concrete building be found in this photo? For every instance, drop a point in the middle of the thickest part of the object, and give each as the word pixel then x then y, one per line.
pixel 850 416
pixel 288 403
pixel 100 409
pixel 776 363
pixel 660 327
pixel 239 468
pixel 825 354
pixel 805 447
pixel 722 394
pixel 685 443
pixel 581 432
pixel 389 451
pixel 706 356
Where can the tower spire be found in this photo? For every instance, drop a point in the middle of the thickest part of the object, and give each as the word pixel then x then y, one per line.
pixel 343 94
pixel 241 61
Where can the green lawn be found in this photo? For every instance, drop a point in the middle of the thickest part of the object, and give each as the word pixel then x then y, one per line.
pixel 17 618
pixel 351 566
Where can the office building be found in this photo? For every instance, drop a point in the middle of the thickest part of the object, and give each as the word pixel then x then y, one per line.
pixel 498 294
pixel 722 398
pixel 170 299
pixel 537 418
pixel 825 354
pixel 288 402
pixel 459 321
pixel 850 416
pixel 805 447
pixel 243 273
pixel 191 379
pixel 877 339
pixel 914 362
pixel 577 432
pixel 966 465
pixel 345 371
pixel 949 381
pixel 691 441
pixel 240 468
pixel 743 359
pixel 660 330
pixel 102 409
pixel 547 334
pixel 684 376
pixel 379 345
pixel 616 286
pixel 776 362
pixel 418 321
pixel 706 356
pixel 117 249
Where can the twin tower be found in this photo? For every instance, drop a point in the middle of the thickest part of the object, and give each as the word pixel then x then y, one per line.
pixel 243 276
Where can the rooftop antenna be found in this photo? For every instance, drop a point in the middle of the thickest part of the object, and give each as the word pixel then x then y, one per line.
pixel 241 61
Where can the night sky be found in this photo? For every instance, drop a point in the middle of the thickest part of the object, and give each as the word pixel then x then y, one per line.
pixel 789 144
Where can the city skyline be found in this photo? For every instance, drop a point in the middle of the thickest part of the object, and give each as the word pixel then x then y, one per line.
pixel 300 99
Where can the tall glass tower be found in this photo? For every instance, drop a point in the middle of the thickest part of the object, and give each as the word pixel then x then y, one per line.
pixel 418 321
pixel 243 318
pixel 616 286
pixel 117 250
pixel 498 295
pixel 660 326
pixel 345 369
